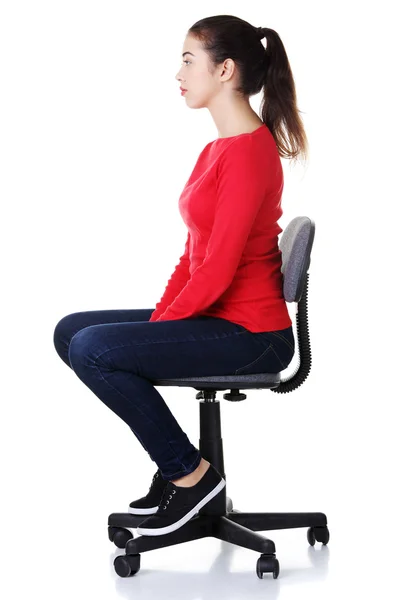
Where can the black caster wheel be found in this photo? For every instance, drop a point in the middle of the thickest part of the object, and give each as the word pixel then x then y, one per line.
pixel 127 565
pixel 267 564
pixel 321 534
pixel 119 536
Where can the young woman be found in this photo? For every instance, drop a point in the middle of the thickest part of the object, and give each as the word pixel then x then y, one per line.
pixel 223 310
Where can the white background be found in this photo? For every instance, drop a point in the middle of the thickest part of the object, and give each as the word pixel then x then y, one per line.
pixel 96 145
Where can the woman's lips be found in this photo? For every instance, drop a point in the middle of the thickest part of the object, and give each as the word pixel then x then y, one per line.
pixel 183 92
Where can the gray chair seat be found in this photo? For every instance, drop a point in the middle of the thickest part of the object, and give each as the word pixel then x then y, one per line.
pixel 224 382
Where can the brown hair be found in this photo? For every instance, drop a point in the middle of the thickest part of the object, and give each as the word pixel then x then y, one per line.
pixel 227 36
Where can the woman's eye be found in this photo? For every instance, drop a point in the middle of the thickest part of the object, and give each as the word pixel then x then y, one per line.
pixel 186 61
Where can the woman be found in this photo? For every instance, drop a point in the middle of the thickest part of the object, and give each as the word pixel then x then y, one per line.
pixel 223 310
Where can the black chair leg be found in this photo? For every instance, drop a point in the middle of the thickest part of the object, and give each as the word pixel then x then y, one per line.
pixel 235 527
pixel 227 530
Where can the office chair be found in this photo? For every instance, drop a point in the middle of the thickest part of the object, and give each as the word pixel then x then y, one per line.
pixel 218 518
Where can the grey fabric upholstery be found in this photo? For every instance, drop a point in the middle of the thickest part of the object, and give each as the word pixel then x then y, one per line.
pixel 295 244
pixel 224 382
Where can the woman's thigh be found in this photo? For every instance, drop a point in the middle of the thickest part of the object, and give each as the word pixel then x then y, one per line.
pixel 203 346
pixel 69 325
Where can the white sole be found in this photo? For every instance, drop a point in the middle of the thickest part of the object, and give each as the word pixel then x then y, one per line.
pixel 186 518
pixel 143 511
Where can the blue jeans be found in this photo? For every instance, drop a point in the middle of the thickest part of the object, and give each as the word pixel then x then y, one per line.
pixel 118 354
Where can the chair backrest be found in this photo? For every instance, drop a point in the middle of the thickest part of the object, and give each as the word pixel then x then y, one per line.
pixel 296 244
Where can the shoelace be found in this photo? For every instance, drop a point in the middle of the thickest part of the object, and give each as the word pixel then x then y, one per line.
pixel 154 478
pixel 164 506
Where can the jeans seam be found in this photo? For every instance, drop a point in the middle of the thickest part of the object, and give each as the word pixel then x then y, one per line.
pixel 274 351
pixel 165 342
pixel 282 338
pixel 254 361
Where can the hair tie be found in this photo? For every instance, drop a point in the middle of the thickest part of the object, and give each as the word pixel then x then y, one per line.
pixel 261 32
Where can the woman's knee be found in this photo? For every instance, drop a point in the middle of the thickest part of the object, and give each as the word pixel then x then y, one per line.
pixel 84 346
pixel 64 331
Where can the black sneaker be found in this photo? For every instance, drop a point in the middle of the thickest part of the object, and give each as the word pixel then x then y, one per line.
pixel 148 505
pixel 182 504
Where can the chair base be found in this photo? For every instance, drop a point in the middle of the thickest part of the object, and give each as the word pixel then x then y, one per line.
pixel 234 526
pixel 217 518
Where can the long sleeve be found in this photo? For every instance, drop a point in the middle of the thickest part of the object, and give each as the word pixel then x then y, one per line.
pixel 175 284
pixel 241 186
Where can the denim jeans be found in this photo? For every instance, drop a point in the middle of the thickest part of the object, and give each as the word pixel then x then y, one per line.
pixel 118 354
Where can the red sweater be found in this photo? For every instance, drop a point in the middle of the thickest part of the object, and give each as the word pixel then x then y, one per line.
pixel 231 266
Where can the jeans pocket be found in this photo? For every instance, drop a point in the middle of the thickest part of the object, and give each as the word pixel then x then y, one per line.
pixel 267 362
